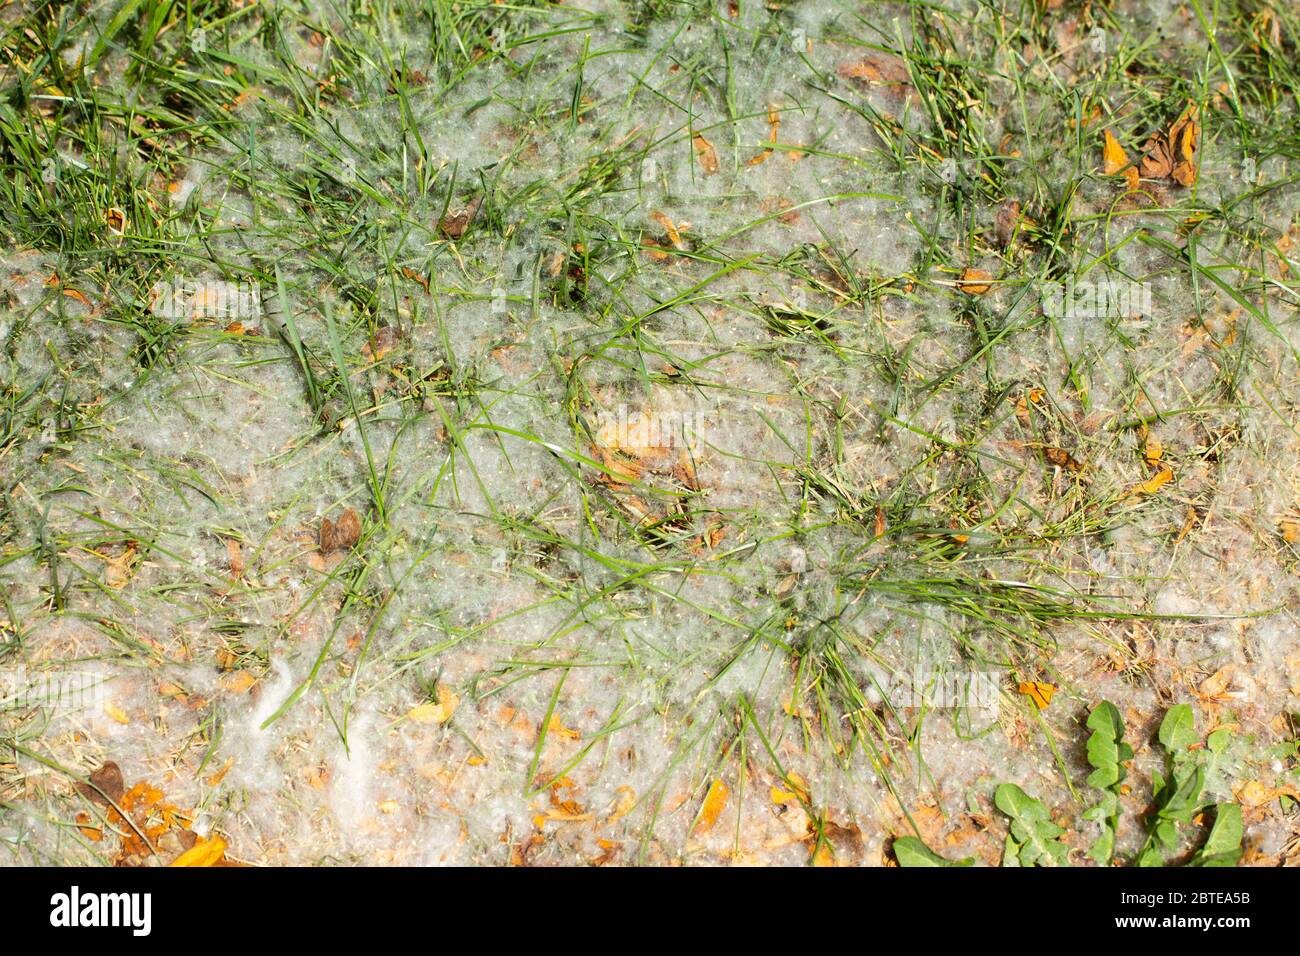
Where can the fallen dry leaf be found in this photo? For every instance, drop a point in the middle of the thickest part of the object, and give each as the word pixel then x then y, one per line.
pixel 1173 154
pixel 414 276
pixel 975 281
pixel 556 726
pixel 1008 218
pixel 220 775
pixel 453 225
pixel 670 229
pixel 1256 793
pixel 1062 458
pixel 205 852
pixel 706 154
pixel 339 535
pixel 626 802
pixel 1113 157
pixel 714 803
pixel 234 557
pixel 774 124
pixel 1153 484
pixel 238 682
pixel 1215 687
pixel 108 779
pixel 436 712
pixel 879 69
pixel 1039 692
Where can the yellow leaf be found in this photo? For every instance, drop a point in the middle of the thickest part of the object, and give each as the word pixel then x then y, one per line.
pixel 625 804
pixel 203 853
pixel 798 791
pixel 558 728
pixel 117 713
pixel 1039 692
pixel 1153 450
pixel 1113 157
pixel 714 803
pixel 823 855
pixel 435 712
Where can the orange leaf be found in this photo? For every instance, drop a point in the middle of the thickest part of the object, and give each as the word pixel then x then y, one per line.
pixel 706 154
pixel 557 727
pixel 1113 157
pixel 1039 692
pixel 238 682
pixel 975 281
pixel 714 803
pixel 1154 483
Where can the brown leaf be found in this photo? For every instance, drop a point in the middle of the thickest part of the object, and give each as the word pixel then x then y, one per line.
pixel 234 557
pixel 238 682
pixel 706 154
pixel 1008 218
pixel 1215 687
pixel 453 226
pixel 1173 154
pixel 108 778
pixel 1062 458
pixel 414 276
pixel 1156 164
pixel 880 69
pixel 340 535
pixel 1184 139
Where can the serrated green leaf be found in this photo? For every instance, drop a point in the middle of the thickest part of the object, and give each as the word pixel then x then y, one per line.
pixel 1219 740
pixel 1031 827
pixel 1223 845
pixel 1178 729
pixel 1103 848
pixel 1107 750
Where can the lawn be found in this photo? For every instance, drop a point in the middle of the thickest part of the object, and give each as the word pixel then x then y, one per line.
pixel 662 432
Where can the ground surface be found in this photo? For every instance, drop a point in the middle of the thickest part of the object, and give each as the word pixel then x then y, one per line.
pixel 694 377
